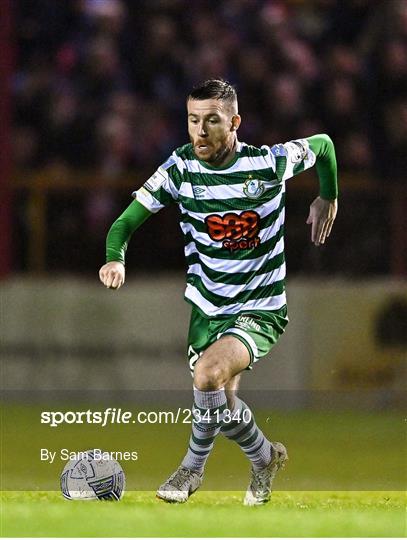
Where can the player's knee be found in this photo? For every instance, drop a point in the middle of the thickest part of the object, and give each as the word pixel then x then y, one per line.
pixel 209 377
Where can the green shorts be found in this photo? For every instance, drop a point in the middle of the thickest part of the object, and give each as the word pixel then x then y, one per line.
pixel 258 330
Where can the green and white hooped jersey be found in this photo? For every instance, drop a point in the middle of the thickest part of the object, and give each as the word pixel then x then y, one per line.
pixel 232 219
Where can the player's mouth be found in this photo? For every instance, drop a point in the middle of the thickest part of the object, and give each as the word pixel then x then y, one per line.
pixel 203 150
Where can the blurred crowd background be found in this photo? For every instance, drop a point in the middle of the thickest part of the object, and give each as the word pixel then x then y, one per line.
pixel 99 92
pixel 97 96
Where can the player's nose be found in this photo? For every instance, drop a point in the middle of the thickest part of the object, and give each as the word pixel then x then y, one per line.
pixel 202 130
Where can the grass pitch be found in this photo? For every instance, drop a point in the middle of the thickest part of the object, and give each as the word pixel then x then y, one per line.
pixel 298 514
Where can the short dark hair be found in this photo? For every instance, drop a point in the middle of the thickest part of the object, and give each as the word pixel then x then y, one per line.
pixel 214 89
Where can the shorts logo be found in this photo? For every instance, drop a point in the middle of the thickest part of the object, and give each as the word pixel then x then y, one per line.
pixel 245 322
pixel 235 231
pixel 253 188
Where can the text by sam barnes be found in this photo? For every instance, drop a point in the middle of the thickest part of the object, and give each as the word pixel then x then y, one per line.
pixel 64 454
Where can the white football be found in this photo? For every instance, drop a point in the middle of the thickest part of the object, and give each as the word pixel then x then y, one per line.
pixel 93 475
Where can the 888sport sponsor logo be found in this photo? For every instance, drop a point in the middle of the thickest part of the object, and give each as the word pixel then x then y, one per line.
pixel 235 231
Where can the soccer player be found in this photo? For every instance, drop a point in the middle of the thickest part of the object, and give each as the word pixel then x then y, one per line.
pixel 231 198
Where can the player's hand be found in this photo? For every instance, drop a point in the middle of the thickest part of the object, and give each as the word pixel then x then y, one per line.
pixel 322 214
pixel 112 274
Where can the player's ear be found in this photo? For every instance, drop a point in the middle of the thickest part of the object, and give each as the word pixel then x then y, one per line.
pixel 236 119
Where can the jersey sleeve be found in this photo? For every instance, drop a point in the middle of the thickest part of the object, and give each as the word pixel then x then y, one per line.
pixel 159 190
pixel 120 232
pixel 292 157
pixel 295 156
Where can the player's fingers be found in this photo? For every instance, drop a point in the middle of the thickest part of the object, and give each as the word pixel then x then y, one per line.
pixel 103 277
pixel 314 231
pixel 322 236
pixel 109 278
pixel 329 228
pixel 319 228
pixel 117 281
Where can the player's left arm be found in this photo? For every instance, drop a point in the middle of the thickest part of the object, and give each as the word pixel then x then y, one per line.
pixel 293 157
pixel 324 208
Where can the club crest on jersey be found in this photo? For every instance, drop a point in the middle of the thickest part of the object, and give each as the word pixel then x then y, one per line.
pixel 253 188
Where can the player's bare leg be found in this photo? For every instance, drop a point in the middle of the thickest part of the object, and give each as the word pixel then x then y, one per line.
pixel 220 363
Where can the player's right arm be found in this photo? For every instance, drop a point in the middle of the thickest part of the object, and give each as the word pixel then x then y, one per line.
pixel 156 193
pixel 112 274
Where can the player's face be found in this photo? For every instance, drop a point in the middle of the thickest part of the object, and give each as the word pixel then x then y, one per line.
pixel 212 126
